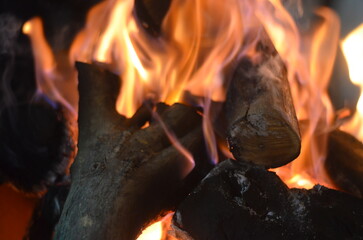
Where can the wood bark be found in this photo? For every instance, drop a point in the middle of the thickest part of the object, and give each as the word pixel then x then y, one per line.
pixel 239 200
pixel 344 162
pixel 262 124
pixel 125 177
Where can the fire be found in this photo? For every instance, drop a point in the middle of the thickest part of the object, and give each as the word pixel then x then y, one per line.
pixel 158 230
pixel 310 61
pixel 152 232
pixel 200 40
pixel 352 47
pixel 199 43
pixel 297 180
pixel 58 81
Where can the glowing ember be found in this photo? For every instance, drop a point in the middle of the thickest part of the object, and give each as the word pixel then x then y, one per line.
pixel 301 180
pixel 352 47
pixel 152 232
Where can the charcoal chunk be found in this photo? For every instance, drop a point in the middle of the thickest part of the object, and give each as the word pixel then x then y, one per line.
pixel 36 145
pixel 239 200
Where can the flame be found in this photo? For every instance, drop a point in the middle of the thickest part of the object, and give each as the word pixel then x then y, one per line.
pixel 53 79
pixel 152 232
pixel 189 163
pixel 310 59
pixel 158 230
pixel 199 43
pixel 297 180
pixel 352 47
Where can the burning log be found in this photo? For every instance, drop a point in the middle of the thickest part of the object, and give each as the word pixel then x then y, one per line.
pixel 262 124
pixel 249 202
pixel 35 145
pixel 125 177
pixel 344 162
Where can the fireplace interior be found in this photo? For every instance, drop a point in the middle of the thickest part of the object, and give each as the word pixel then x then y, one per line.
pixel 169 119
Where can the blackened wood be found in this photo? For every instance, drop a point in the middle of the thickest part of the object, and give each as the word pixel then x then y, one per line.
pixel 344 162
pixel 47 213
pixel 238 200
pixel 122 179
pixel 151 14
pixel 262 124
pixel 36 145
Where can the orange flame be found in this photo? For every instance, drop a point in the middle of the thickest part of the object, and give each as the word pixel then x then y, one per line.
pixel 158 230
pixel 200 40
pixel 152 232
pixel 352 47
pixel 310 62
pixel 58 81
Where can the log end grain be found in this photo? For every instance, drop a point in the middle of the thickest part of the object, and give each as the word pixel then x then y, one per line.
pixel 266 141
pixel 262 124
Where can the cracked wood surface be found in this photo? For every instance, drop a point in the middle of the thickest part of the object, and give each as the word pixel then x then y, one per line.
pixel 262 124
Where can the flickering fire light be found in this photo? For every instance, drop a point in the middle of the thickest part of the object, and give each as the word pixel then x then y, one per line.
pixel 353 51
pixel 154 231
pixel 201 40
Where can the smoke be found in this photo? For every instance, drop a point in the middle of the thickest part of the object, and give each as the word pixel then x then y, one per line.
pixel 10 28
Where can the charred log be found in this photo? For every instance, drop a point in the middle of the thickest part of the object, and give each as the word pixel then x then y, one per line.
pixel 35 145
pixel 262 124
pixel 239 200
pixel 47 213
pixel 344 162
pixel 35 141
pixel 125 177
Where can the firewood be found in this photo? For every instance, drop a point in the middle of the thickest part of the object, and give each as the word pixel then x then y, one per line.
pixel 36 145
pixel 262 124
pixel 239 200
pixel 344 162
pixel 123 177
